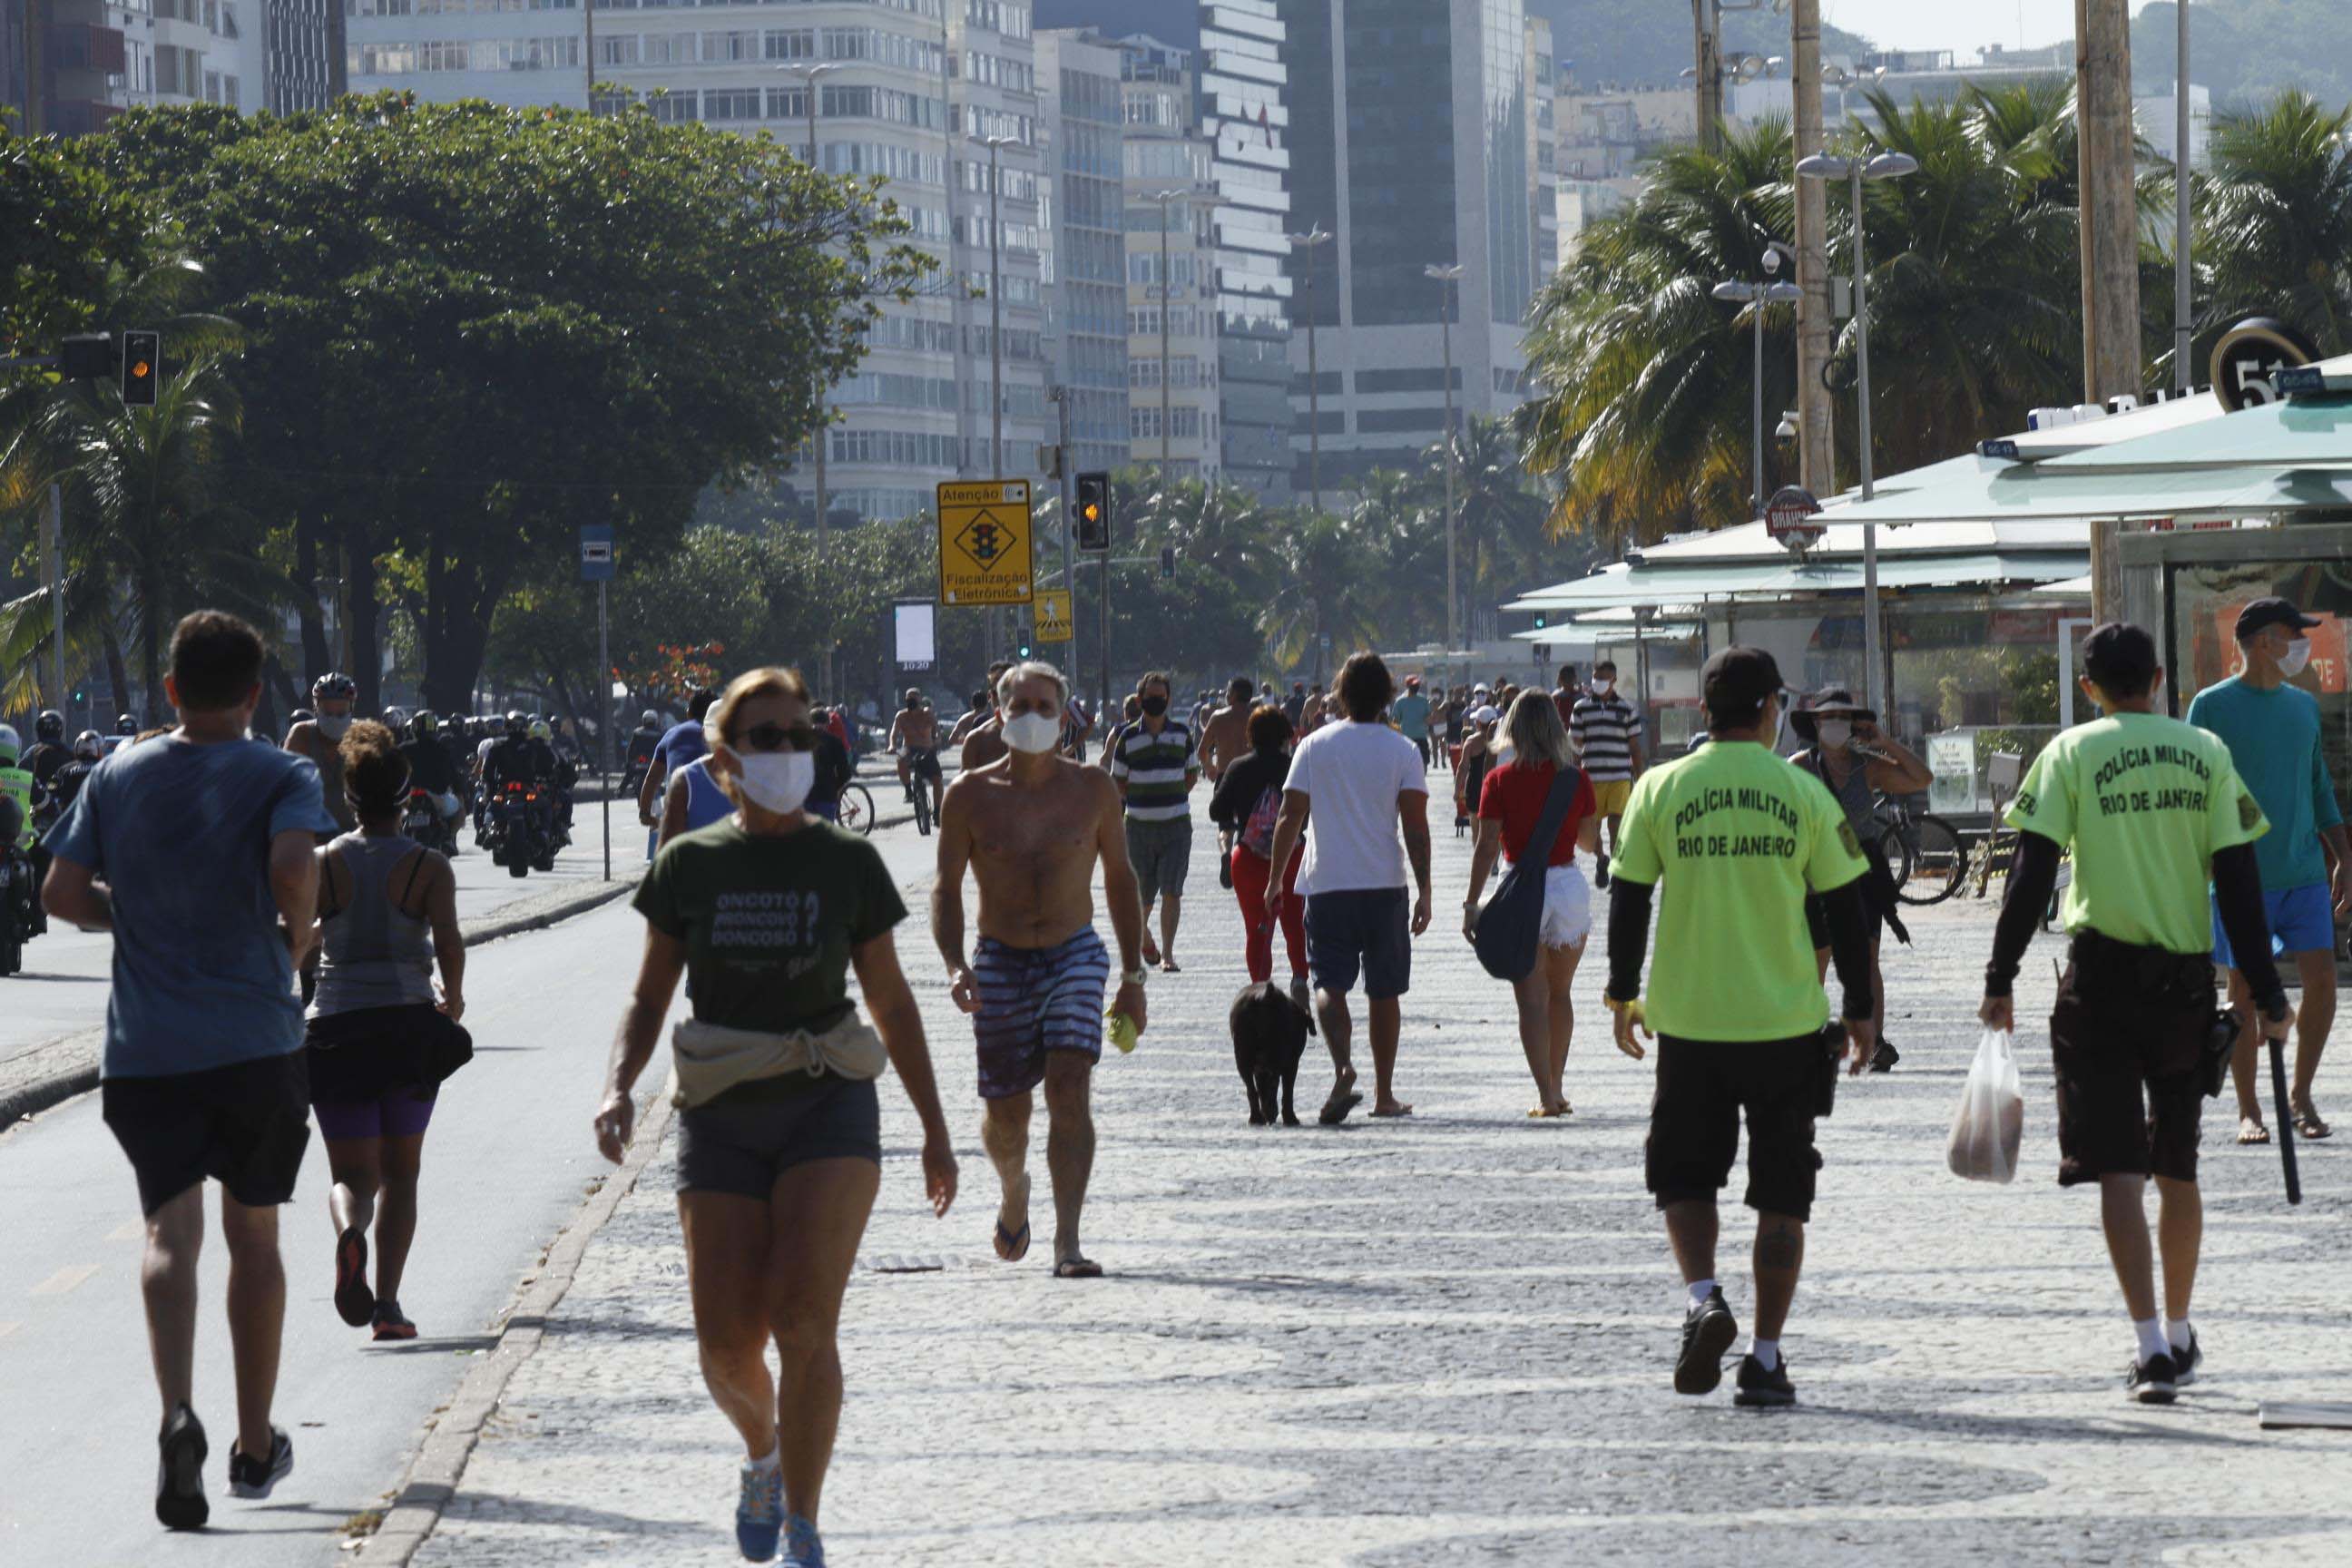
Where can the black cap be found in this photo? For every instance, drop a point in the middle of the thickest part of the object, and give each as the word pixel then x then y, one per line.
pixel 2264 613
pixel 2120 660
pixel 1736 684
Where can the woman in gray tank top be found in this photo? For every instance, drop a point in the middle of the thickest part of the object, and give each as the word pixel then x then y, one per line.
pixel 388 915
pixel 1858 761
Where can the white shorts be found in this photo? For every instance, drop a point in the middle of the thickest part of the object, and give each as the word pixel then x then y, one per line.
pixel 1568 907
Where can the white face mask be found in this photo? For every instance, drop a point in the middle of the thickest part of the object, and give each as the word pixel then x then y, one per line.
pixel 1835 733
pixel 2296 658
pixel 775 780
pixel 1603 688
pixel 1033 733
pixel 333 725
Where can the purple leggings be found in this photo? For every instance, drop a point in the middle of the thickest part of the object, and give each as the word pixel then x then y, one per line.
pixel 403 1114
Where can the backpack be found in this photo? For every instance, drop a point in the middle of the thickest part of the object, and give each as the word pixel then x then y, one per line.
pixel 1257 833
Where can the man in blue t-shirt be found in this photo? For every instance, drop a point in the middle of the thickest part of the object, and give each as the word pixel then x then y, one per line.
pixel 203 839
pixel 683 744
pixel 2272 729
pixel 1412 714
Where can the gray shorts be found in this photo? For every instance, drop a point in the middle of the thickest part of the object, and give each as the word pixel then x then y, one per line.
pixel 742 1141
pixel 1160 852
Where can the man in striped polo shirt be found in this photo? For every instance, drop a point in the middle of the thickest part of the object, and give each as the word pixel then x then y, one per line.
pixel 1156 761
pixel 1607 732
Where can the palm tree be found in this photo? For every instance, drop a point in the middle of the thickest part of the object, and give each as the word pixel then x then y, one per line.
pixel 1325 589
pixel 1500 519
pixel 2274 224
pixel 1644 413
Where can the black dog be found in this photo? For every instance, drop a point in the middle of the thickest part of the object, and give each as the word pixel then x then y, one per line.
pixel 1270 1033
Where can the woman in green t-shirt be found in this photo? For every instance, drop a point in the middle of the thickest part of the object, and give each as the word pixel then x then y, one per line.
pixel 779 1145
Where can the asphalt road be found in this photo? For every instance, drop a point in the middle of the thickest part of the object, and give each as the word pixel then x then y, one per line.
pixel 509 1158
pixel 62 988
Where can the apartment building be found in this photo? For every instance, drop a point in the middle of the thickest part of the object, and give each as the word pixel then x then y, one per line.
pixel 1172 322
pixel 1085 257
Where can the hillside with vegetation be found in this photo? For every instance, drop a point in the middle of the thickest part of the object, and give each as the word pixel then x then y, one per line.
pixel 2249 51
pixel 1640 43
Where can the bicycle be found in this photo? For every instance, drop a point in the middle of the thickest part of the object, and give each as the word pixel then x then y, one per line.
pixel 919 790
pixel 1928 859
pixel 857 809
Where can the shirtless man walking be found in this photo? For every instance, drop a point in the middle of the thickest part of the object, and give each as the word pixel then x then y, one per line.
pixel 985 742
pixel 915 740
pixel 1029 826
pixel 1224 739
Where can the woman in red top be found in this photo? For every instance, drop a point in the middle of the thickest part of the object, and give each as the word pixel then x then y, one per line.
pixel 1508 807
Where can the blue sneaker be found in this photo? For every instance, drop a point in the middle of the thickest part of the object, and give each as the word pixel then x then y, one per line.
pixel 802 1549
pixel 760 1512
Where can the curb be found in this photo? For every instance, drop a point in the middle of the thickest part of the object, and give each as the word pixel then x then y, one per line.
pixel 439 1464
pixel 78 1053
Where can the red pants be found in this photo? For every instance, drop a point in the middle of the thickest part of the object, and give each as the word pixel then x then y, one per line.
pixel 1251 870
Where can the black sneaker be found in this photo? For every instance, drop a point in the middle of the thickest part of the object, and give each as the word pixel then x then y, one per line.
pixel 2152 1382
pixel 179 1475
pixel 1707 1332
pixel 2186 1360
pixel 1883 1057
pixel 250 1477
pixel 1600 871
pixel 1759 1389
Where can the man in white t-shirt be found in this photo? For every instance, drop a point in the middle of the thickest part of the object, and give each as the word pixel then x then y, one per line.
pixel 1356 792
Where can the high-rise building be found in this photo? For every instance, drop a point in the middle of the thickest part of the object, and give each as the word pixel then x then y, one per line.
pixel 1171 300
pixel 69 66
pixel 912 91
pixel 1240 86
pixel 1085 259
pixel 1416 146
pixel 62 64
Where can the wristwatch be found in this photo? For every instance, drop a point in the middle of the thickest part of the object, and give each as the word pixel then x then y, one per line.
pixel 1140 975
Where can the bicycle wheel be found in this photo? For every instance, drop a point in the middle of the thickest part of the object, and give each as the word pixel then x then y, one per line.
pixel 919 796
pixel 1940 863
pixel 1897 850
pixel 857 809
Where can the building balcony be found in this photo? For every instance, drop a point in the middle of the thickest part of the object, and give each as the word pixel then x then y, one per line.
pixel 81 46
pixel 77 116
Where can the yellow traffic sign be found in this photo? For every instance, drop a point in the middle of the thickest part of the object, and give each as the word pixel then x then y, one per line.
pixel 984 542
pixel 1053 615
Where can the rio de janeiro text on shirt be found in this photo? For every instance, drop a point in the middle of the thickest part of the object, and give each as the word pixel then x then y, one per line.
pixel 1696 845
pixel 2170 798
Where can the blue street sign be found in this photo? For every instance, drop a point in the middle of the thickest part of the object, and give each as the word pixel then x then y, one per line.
pixel 596 552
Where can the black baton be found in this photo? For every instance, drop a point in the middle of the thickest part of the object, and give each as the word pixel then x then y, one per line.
pixel 2286 1121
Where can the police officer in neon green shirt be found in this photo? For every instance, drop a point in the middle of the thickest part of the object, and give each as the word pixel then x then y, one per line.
pixel 16 786
pixel 2152 808
pixel 1738 839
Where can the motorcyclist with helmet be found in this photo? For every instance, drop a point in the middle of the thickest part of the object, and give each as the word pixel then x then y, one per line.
pixel 523 756
pixel 47 753
pixel 431 770
pixel 18 846
pixel 639 753
pixel 320 737
pixel 66 785
pixel 126 728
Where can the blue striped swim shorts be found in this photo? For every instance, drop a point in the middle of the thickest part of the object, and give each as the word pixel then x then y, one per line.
pixel 1033 1000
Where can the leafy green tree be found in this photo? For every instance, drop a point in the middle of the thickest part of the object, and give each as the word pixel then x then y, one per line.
pixel 2275 222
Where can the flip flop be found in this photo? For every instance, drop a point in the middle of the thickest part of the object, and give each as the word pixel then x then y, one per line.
pixel 2252 1135
pixel 1335 1112
pixel 2308 1125
pixel 1077 1268
pixel 1012 1246
pixel 1400 1112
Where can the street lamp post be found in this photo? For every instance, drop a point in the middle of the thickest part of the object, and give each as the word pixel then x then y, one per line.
pixel 1447 279
pixel 1884 166
pixel 1756 296
pixel 1166 295
pixel 809 75
pixel 1306 245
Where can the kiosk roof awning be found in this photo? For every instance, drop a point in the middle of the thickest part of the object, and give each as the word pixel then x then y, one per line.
pixel 2300 432
pixel 1653 586
pixel 2055 492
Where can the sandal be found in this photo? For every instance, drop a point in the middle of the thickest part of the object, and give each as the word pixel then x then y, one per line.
pixel 1012 1246
pixel 2253 1132
pixel 1077 1268
pixel 2308 1124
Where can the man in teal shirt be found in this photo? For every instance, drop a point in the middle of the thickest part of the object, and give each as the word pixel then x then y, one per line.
pixel 1412 713
pixel 2272 731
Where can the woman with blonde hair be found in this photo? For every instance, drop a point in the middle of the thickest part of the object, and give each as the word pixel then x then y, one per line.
pixel 1511 805
pixel 779 1142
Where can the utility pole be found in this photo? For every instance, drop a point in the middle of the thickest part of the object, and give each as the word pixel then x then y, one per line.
pixel 808 75
pixel 1816 430
pixel 1060 398
pixel 2111 348
pixel 1448 280
pixel 1706 24
pixel 52 558
pixel 2183 223
pixel 1306 245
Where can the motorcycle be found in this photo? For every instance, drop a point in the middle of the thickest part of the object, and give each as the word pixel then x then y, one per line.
pixel 422 821
pixel 522 829
pixel 17 894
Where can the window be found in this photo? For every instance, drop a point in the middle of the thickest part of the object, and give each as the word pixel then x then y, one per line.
pixel 791 43
pixel 617 49
pixel 731 103
pixel 669 49
pixel 730 48
pixel 673 108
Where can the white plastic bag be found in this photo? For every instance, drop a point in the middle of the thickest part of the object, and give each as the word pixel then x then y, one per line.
pixel 1992 1120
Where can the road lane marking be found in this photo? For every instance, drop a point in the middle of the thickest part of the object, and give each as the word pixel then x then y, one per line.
pixel 6 1328
pixel 129 1230
pixel 64 1280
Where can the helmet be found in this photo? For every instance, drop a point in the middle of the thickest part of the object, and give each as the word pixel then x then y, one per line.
pixel 539 730
pixel 424 725
pixel 88 746
pixel 300 716
pixel 334 687
pixel 517 724
pixel 396 718
pixel 649 720
pixel 50 726
pixel 9 746
pixel 124 724
pixel 914 695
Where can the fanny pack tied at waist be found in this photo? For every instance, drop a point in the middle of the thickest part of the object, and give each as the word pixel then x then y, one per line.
pixel 709 1059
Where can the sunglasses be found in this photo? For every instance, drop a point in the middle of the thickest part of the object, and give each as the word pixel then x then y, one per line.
pixel 775 737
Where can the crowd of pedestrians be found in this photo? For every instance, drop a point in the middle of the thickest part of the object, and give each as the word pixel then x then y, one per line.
pixel 1736 877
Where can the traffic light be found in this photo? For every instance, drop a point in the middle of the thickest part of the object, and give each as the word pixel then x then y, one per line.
pixel 86 357
pixel 141 354
pixel 1024 650
pixel 1094 512
pixel 1168 560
